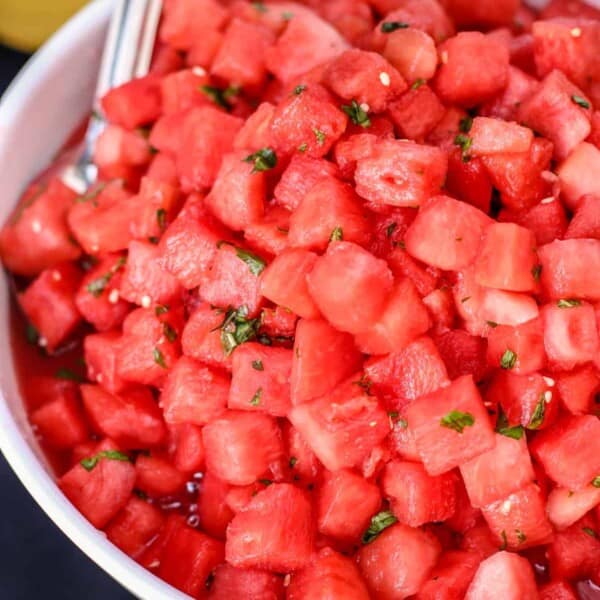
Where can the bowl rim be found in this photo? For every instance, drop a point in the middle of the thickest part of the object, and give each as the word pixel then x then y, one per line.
pixel 18 453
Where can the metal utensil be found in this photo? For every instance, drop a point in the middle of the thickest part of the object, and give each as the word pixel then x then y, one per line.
pixel 127 55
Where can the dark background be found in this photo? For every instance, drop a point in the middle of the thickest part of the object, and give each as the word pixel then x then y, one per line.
pixel 36 559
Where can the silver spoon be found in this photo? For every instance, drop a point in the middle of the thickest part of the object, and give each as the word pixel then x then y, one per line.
pixel 127 55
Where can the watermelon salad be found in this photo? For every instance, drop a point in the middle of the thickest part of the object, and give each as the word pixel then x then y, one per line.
pixel 327 326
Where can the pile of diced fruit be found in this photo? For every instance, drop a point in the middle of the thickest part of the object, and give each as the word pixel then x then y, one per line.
pixel 337 294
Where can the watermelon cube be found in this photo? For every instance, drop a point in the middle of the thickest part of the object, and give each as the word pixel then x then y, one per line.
pixel 231 582
pixel 502 470
pixel 565 507
pixel 242 446
pixel 451 576
pixel 552 112
pixel 485 14
pixel 101 492
pixel 474 69
pixel 157 476
pixel 215 515
pixel 346 503
pixel 453 419
pixel 343 426
pixel 275 531
pixel 415 496
pixel 261 371
pixel 399 561
pixel 577 389
pixel 446 233
pixel 557 590
pixel 400 172
pixel 519 520
pixel 329 575
pixel 586 220
pixel 570 451
pixel 60 423
pixel 100 353
pixel 503 576
pixel 188 455
pixel 576 174
pixel 411 50
pixel 346 272
pixel 496 136
pixel 193 393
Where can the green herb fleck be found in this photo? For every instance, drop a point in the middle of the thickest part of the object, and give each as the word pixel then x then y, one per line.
pixel 520 536
pixel 220 97
pixel 161 309
pixel 537 418
pixel 492 324
pixel 457 420
pixel 287 15
pixel 337 235
pixel 580 101
pixel 465 124
pixel 379 523
pixel 159 358
pixel 169 332
pixel 464 142
pixel 303 147
pixel 568 303
pixel 255 264
pixel 418 83
pixel 97 286
pixel 508 360
pixel 357 114
pixel 260 7
pixel 67 375
pixel 89 463
pixel 258 365
pixel 402 423
pixel 237 329
pixel 536 271
pixel 31 334
pixel 299 89
pixel 596 482
pixel 389 26
pixel 264 159
pixel 590 532
pixel 161 217
pixel 256 398
pixel 503 427
pixel 465 299
pixel 93 194
pixel 389 230
pixel 320 135
pixel 504 541
pixel 365 383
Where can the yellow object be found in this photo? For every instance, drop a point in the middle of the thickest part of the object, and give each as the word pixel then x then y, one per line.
pixel 25 24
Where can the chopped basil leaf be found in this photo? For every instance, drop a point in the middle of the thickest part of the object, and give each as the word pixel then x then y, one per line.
pixel 260 7
pixel 303 147
pixel 169 332
pixel 596 482
pixel 503 427
pixel 159 358
pixel 92 194
pixel 237 329
pixel 153 240
pixel 365 383
pixel 492 324
pixel 258 365
pixel 418 83
pixel 337 235
pixel 357 114
pixel 389 26
pixel 293 461
pixel 89 463
pixel 67 375
pixel 536 271
pixel 263 159
pixel 256 398
pixel 265 340
pixel 299 89
pixel 255 264
pixel 508 360
pixel 97 286
pixel 568 303
pixel 520 536
pixel 504 540
pixel 31 334
pixel 389 230
pixel 465 124
pixel 457 420
pixel 393 414
pixel 580 101
pixel 287 15
pixel 320 135
pixel 218 96
pixel 379 523
pixel 590 532
pixel 402 423
pixel 161 216
pixel 161 309
pixel 464 142
pixel 140 494
pixel 537 418
pixel 266 482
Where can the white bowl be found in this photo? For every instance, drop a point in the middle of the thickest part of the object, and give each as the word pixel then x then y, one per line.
pixel 50 97
pixel 47 101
